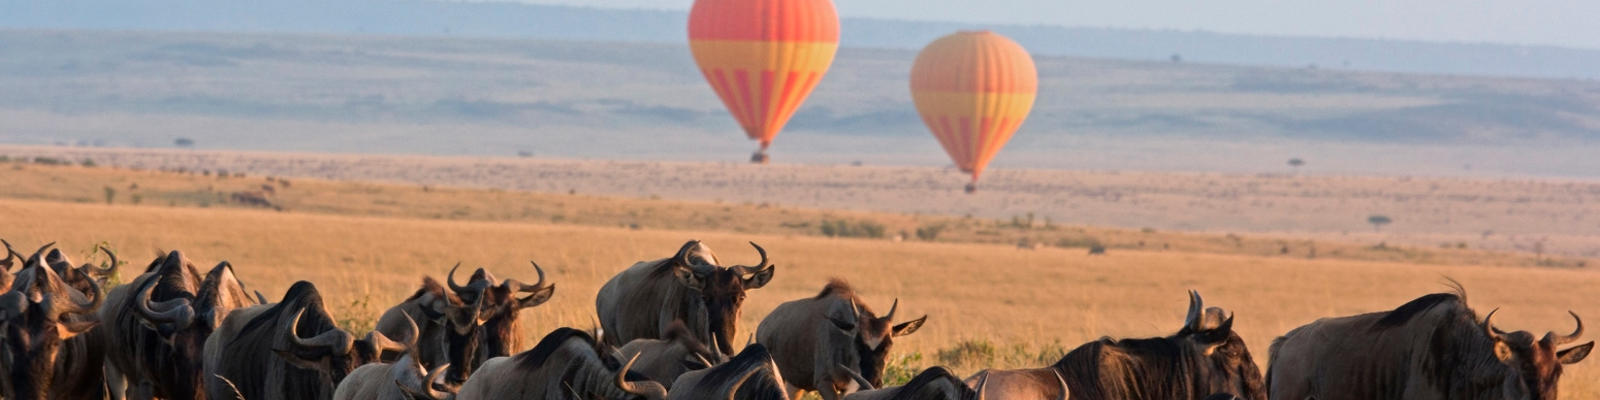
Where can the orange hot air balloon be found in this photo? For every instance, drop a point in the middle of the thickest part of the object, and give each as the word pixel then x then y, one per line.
pixel 973 90
pixel 763 57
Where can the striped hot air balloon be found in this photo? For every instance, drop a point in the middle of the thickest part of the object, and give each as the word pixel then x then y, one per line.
pixel 763 57
pixel 973 89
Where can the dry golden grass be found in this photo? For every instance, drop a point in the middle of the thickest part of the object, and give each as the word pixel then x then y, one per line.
pixel 971 291
pixel 157 188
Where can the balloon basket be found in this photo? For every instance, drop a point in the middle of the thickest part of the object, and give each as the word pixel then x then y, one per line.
pixel 972 188
pixel 760 157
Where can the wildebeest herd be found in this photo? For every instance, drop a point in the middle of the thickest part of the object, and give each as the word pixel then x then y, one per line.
pixel 667 330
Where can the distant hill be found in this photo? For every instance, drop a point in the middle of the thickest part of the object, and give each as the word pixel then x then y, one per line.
pixel 515 20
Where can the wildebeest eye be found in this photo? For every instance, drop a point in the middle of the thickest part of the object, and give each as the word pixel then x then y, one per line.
pixel 843 325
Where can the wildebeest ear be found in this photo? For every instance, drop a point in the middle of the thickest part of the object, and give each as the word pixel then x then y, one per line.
pixel 687 277
pixel 909 327
pixel 760 278
pixel 1503 351
pixel 537 298
pixel 1575 354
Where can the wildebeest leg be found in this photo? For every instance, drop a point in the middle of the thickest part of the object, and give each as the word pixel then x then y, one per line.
pixel 116 386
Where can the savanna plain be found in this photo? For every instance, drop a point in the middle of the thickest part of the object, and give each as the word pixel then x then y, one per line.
pixel 993 298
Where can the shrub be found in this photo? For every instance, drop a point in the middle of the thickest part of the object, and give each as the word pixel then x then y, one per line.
pixel 845 228
pixel 929 232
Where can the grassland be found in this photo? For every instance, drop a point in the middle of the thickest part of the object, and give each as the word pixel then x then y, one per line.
pixel 976 293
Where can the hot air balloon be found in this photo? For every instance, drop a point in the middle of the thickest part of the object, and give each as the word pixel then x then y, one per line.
pixel 763 57
pixel 973 89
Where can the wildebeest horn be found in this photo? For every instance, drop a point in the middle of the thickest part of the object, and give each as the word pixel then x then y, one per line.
pixel 856 376
pixel 107 271
pixel 178 312
pixel 334 340
pixel 534 298
pixel 648 389
pixel 34 259
pixel 10 254
pixel 381 342
pixel 892 308
pixel 427 384
pixel 743 270
pixel 1489 329
pixel 983 383
pixel 260 298
pixel 1561 340
pixel 682 258
pixel 1063 382
pixel 855 310
pixel 734 390
pixel 95 297
pixel 451 279
pixel 1194 319
pixel 703 360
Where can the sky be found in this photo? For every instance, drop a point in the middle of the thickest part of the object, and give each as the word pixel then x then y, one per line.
pixel 1568 23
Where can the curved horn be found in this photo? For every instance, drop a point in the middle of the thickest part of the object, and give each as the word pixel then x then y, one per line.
pixel 381 343
pixel 521 287
pixel 856 376
pixel 334 340
pixel 743 270
pixel 703 360
pixel 10 254
pixel 1063 381
pixel 451 279
pixel 236 394
pixel 1195 317
pixel 855 310
pixel 95 298
pixel 111 270
pixel 34 259
pixel 174 311
pixel 260 298
pixel 983 383
pixel 648 389
pixel 734 390
pixel 892 308
pixel 1576 333
pixel 1488 328
pixel 433 376
pixel 682 258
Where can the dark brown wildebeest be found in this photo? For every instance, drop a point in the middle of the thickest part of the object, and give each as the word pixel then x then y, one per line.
pixel 497 320
pixel 450 328
pixel 159 323
pixel 750 375
pixel 1430 348
pixel 288 350
pixel 76 276
pixel 567 363
pixel 1205 357
pixel 823 343
pixel 39 316
pixel 665 359
pixel 936 383
pixel 642 301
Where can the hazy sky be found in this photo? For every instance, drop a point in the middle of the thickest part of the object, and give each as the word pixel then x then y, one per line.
pixel 1569 23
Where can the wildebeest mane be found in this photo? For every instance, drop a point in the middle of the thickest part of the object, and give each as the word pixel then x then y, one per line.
pixel 548 346
pixel 837 286
pixel 1129 361
pixel 1403 314
pixel 431 286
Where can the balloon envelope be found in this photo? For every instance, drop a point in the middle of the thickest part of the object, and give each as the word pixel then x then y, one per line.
pixel 763 57
pixel 973 90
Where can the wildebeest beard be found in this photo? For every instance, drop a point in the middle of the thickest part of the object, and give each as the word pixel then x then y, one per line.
pixel 723 296
pixel 1107 369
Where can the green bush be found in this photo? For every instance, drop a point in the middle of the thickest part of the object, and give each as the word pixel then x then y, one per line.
pixel 929 232
pixel 845 228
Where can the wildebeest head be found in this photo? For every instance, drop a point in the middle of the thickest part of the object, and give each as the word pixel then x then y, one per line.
pixel 35 318
pixel 434 387
pixel 876 337
pixel 311 341
pixel 498 305
pixel 1535 364
pixel 721 289
pixel 76 275
pixel 1227 366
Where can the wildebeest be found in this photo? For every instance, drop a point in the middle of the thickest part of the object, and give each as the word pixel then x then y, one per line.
pixel 39 316
pixel 402 379
pixel 498 306
pixel 567 363
pixel 750 375
pixel 288 350
pixel 692 286
pixel 823 342
pixel 936 383
pixel 159 323
pixel 663 360
pixel 1204 358
pixel 450 328
pixel 76 276
pixel 1433 347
